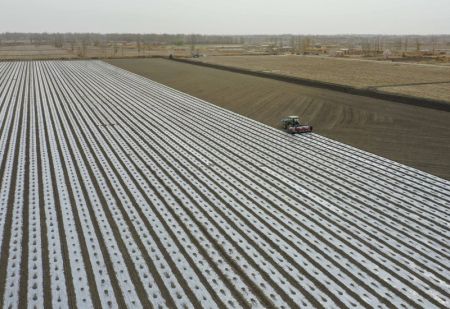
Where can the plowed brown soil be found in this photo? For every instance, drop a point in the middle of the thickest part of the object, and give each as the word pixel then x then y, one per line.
pixel 415 136
pixel 356 73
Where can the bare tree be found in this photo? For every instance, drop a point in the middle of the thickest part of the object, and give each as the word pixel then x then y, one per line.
pixel 418 44
pixel 398 44
pixel 83 49
pixel 306 45
pixel 58 40
pixel 433 43
pixel 365 46
pixel 139 47
pixel 115 48
pixel 292 43
pixel 192 41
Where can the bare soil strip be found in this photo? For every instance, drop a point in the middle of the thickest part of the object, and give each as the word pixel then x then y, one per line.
pixel 46 287
pixel 150 204
pixel 26 202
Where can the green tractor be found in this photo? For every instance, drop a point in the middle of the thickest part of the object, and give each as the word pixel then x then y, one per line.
pixel 291 124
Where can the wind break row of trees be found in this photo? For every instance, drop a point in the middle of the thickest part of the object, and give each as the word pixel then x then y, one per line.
pixel 79 42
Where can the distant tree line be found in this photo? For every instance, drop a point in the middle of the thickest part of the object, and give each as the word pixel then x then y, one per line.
pixel 298 43
pixel 97 38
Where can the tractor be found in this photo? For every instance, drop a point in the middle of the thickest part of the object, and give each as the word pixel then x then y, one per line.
pixel 292 125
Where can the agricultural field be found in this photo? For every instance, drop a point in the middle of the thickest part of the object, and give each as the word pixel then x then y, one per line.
pixel 109 51
pixel 117 191
pixel 30 52
pixel 439 91
pixel 386 128
pixel 399 78
pixel 105 50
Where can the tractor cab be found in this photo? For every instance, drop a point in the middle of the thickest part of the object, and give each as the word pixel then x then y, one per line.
pixel 293 120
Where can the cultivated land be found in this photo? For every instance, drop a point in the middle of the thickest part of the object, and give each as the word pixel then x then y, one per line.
pixel 30 52
pixel 412 135
pixel 380 75
pixel 117 191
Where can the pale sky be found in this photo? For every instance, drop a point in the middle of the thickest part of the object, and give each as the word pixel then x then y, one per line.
pixel 227 17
